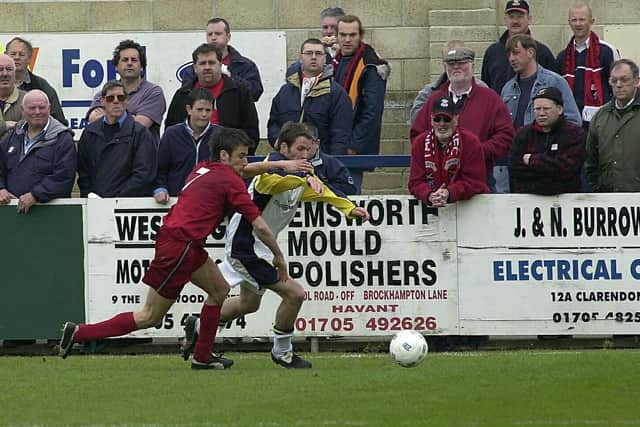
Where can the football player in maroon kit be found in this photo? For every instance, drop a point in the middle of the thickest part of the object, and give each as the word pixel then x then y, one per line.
pixel 213 190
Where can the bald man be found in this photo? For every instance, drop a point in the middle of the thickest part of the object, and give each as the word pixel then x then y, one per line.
pixel 37 157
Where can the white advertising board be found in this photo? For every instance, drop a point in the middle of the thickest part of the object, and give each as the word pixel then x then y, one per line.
pixel 395 272
pixel 549 265
pixel 78 64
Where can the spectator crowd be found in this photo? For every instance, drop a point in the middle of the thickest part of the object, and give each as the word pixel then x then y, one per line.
pixel 533 123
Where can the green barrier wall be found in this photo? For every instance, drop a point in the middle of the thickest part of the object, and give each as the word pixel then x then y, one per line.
pixel 41 270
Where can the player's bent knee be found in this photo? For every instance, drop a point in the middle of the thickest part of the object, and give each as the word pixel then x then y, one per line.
pixel 250 306
pixel 295 293
pixel 146 318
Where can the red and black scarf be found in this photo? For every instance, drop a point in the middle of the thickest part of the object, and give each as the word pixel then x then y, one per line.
pixel 364 56
pixel 593 92
pixel 351 69
pixel 441 164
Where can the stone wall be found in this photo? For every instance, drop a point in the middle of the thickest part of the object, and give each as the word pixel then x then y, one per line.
pixel 409 33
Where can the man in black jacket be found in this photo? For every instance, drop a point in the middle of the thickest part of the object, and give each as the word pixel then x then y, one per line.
pixel 233 105
pixel 116 155
pixel 547 155
pixel 496 70
pixel 22 51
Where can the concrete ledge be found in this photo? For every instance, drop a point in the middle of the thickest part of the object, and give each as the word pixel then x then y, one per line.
pixel 473 17
pixel 57 16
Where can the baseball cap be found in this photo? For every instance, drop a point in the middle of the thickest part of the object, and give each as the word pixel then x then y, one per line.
pixel 443 106
pixel 459 54
pixel 517 5
pixel 552 93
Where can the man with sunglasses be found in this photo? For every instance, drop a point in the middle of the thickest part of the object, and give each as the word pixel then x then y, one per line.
pixel 447 163
pixel 116 155
pixel 479 109
pixel 145 100
pixel 613 152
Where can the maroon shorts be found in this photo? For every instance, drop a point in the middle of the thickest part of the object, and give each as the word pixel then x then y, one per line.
pixel 173 264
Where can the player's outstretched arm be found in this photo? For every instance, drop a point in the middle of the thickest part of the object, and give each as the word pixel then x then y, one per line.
pixel 291 166
pixel 360 213
pixel 264 233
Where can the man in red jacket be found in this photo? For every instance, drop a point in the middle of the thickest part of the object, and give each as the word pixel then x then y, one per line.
pixel 480 111
pixel 212 190
pixel 447 164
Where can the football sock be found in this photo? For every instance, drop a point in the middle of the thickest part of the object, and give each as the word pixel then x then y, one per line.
pixel 120 324
pixel 282 341
pixel 209 319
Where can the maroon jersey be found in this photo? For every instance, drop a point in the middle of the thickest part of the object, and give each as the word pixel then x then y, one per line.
pixel 212 191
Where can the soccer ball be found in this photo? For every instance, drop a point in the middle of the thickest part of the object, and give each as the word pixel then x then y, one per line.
pixel 408 348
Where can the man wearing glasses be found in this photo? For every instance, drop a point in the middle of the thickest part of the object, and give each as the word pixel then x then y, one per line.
pixel 145 100
pixel 613 153
pixel 447 163
pixel 312 96
pixel 116 155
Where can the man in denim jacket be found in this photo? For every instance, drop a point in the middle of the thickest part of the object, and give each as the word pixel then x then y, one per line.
pixel 529 79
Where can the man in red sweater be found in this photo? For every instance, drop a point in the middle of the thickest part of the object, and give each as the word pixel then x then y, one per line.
pixel 212 190
pixel 480 109
pixel 446 161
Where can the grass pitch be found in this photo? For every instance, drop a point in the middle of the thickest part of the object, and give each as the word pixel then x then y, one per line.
pixel 493 389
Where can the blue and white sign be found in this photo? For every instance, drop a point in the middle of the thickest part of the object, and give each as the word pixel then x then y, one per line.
pixel 78 64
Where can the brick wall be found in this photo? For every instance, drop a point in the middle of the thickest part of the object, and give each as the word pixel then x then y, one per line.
pixel 409 33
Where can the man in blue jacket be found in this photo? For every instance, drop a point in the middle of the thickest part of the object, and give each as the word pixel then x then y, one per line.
pixel 363 74
pixel 117 156
pixel 311 96
pixel 37 157
pixel 183 145
pixel 530 77
pixel 329 169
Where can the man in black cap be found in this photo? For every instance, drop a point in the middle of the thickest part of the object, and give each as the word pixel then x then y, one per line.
pixel 495 65
pixel 447 163
pixel 547 155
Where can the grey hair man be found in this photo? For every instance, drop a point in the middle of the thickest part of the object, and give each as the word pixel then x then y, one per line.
pixel 329 26
pixel 427 90
pixel 21 51
pixel 613 153
pixel 10 95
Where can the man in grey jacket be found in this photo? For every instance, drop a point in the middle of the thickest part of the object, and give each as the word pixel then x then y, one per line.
pixel 37 157
pixel 530 77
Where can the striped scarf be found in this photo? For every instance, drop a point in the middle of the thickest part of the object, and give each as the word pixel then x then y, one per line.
pixel 449 159
pixel 593 92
